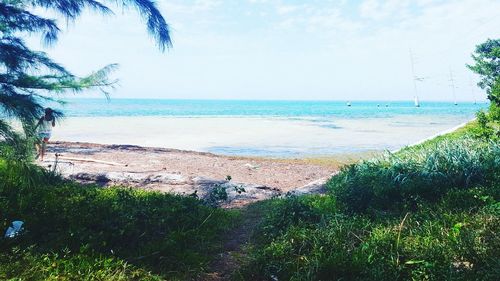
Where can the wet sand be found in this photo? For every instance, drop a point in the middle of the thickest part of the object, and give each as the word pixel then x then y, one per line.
pixel 256 136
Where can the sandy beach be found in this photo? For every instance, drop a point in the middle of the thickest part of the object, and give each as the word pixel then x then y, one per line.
pixel 187 172
pixel 266 156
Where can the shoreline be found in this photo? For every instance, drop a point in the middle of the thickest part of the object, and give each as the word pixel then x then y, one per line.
pixel 442 133
pixel 347 156
pixel 186 172
pixel 257 137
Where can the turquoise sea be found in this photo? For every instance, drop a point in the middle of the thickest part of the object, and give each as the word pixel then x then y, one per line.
pixel 249 108
pixel 260 128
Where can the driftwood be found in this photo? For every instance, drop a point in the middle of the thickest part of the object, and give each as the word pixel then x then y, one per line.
pixel 88 160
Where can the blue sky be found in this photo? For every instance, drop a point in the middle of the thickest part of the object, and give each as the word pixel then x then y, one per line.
pixel 277 49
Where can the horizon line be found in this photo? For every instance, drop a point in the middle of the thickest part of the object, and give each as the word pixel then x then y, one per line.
pixel 284 100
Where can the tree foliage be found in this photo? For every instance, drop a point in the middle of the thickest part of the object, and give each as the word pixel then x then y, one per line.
pixel 487 65
pixel 29 78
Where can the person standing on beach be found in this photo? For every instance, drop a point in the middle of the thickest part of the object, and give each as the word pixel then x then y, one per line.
pixel 44 127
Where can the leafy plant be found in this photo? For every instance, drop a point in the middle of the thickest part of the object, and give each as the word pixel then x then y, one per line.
pixel 216 195
pixel 403 181
pixel 487 64
pixel 29 79
pixel 166 234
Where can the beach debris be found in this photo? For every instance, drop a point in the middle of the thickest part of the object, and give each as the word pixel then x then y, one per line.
pixel 251 166
pixel 101 179
pixel 215 192
pixel 167 178
pixel 315 187
pixel 129 177
pixel 223 193
pixel 89 160
pixel 204 181
pixel 14 230
pixel 187 173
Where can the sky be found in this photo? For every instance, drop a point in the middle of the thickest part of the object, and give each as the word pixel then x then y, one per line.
pixel 287 50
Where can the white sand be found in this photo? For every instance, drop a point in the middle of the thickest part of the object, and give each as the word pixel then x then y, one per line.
pixel 255 136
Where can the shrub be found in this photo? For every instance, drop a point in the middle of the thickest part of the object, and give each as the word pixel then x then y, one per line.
pixel 404 180
pixel 162 233
pixel 427 245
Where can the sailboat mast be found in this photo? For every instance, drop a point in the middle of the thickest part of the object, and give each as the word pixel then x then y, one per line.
pixel 472 90
pixel 414 78
pixel 452 80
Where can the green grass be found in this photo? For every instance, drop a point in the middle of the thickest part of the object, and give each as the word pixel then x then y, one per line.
pixel 430 212
pixel 433 243
pixel 109 233
pixel 400 182
pixel 27 264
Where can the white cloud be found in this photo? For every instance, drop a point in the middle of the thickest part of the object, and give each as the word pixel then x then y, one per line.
pixel 379 10
pixel 286 9
pixel 326 18
pixel 189 7
pixel 312 49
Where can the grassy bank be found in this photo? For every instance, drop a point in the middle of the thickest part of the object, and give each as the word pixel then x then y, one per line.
pixel 429 212
pixel 77 232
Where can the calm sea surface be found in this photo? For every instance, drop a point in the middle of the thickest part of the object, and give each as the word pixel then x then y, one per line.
pixel 234 108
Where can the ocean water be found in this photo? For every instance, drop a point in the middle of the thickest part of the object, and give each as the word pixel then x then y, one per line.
pixel 259 128
pixel 245 108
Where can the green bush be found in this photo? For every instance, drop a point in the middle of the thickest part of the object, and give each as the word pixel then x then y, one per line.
pixel 494 111
pixel 488 124
pixel 431 244
pixel 404 180
pixel 166 234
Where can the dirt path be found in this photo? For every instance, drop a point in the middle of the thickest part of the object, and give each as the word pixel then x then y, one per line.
pixel 225 265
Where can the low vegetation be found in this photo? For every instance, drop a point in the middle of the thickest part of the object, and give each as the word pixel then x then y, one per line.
pixel 80 232
pixel 404 181
pixel 430 212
